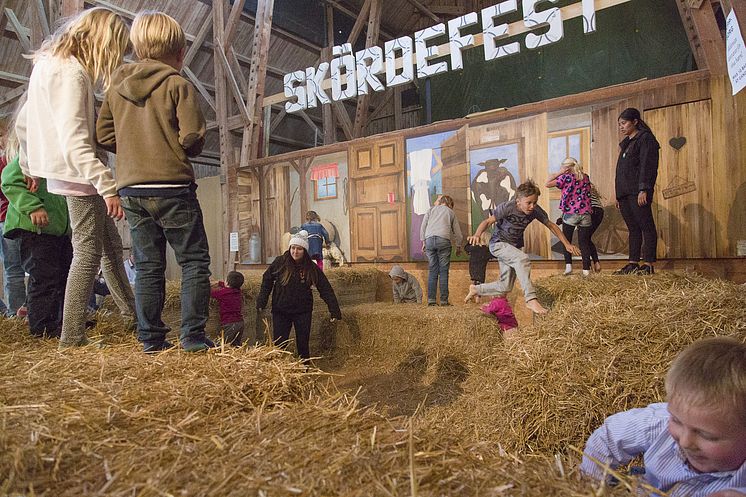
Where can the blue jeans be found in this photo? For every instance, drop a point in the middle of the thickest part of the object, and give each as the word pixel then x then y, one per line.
pixel 177 220
pixel 14 276
pixel 438 251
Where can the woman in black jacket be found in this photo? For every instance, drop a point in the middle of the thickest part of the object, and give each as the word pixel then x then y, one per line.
pixel 290 278
pixel 636 172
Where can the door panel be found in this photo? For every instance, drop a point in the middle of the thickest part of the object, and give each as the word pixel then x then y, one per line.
pixel 377 219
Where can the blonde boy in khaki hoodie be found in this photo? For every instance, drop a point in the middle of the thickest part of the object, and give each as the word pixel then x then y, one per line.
pixel 151 119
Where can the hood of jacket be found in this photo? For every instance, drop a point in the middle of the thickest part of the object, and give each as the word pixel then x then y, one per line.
pixel 398 272
pixel 136 82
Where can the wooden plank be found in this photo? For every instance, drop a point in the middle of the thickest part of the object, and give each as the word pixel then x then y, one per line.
pixel 19 29
pixel 236 69
pixel 397 108
pixel 199 39
pixel 422 8
pixel 449 10
pixel 568 12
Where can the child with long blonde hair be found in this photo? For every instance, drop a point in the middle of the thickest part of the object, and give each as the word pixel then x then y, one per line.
pixel 576 208
pixel 56 131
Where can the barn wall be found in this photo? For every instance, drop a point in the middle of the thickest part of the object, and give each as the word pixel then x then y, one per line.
pixel 700 200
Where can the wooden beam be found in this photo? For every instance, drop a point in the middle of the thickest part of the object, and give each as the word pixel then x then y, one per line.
pixel 704 36
pixel 397 107
pixel 12 95
pixel 3 17
pixel 228 167
pixel 277 119
pixel 357 28
pixel 257 78
pixel 200 87
pixel 199 39
pixel 19 29
pixel 353 15
pixel 233 19
pixel 371 38
pixel 330 129
pixel 301 167
pixel 343 118
pixel 13 78
pixel 233 84
pixel 42 14
pixel 422 8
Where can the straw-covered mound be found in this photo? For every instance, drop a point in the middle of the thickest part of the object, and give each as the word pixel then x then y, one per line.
pixel 251 421
pixel 112 421
pixel 605 347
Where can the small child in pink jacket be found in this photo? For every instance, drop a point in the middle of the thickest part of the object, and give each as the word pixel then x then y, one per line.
pixel 229 297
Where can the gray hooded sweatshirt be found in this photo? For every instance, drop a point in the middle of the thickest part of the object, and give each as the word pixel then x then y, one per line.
pixel 409 290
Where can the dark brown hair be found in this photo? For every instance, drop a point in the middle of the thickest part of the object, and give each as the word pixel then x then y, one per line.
pixel 234 279
pixel 289 266
pixel 526 189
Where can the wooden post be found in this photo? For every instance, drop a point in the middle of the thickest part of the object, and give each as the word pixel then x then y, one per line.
pixel 704 36
pixel 228 168
pixel 301 167
pixel 330 129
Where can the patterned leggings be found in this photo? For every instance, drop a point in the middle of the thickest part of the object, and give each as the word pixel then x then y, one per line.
pixel 95 242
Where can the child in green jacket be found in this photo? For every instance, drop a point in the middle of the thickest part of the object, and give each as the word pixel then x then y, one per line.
pixel 39 221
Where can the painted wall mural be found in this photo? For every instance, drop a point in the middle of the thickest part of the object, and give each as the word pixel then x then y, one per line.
pixel 424 183
pixel 495 172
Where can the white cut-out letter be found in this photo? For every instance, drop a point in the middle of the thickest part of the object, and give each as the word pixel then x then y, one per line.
pixel 494 33
pixel 551 17
pixel 425 53
pixel 403 45
pixel 293 83
pixel 369 63
pixel 458 41
pixel 314 90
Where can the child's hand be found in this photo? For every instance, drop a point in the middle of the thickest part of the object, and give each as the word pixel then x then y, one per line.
pixel 474 240
pixel 31 183
pixel 114 207
pixel 40 218
pixel 574 250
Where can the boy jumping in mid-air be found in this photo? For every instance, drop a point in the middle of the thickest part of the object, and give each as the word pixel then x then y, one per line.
pixel 511 219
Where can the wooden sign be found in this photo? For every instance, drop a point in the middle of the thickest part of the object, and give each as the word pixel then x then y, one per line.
pixel 678 187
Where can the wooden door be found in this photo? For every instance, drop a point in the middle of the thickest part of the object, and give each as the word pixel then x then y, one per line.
pixel 684 204
pixel 377 203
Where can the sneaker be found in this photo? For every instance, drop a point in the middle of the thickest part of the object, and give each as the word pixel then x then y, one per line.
pixel 445 304
pixel 155 347
pixel 197 345
pixel 630 268
pixel 432 303
pixel 646 269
